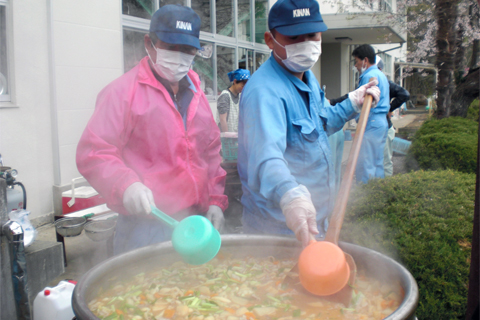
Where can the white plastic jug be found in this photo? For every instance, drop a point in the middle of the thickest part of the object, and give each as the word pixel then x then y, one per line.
pixel 54 303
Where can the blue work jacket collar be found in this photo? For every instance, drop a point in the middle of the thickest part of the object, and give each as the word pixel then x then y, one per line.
pixel 297 82
pixel 373 67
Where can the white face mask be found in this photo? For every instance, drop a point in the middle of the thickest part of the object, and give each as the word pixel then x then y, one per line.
pixel 301 56
pixel 172 65
pixel 364 67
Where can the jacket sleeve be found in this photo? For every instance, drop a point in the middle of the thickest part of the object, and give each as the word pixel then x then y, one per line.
pixel 263 132
pixel 398 94
pixel 216 174
pixel 99 151
pixel 335 117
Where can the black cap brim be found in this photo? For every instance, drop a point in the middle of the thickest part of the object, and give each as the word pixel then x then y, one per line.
pixel 179 38
pixel 302 28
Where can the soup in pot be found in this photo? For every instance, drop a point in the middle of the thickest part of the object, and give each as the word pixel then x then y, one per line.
pixel 236 289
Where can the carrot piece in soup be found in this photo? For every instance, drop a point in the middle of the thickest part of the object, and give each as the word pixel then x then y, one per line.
pixel 232 311
pixel 169 313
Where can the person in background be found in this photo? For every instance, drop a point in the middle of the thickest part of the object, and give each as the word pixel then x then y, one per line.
pixel 228 101
pixel 284 158
pixel 370 158
pixel 152 139
pixel 398 96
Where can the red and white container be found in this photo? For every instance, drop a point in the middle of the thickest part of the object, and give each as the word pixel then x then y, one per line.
pixel 55 303
pixel 80 198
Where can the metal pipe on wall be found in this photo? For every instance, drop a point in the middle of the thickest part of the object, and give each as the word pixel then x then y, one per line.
pixel 14 234
pixel 13 280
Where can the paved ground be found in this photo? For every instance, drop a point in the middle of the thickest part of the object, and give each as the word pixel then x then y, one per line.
pixel 82 253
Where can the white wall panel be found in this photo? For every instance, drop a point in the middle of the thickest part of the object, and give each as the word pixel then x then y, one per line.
pixel 94 13
pixel 88 53
pixel 85 46
pixel 80 91
pixel 71 126
pixel 69 167
pixel 25 134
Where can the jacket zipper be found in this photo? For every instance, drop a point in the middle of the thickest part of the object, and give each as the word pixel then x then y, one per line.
pixel 188 152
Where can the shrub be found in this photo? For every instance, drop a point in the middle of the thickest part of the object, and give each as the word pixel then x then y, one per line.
pixel 449 143
pixel 424 220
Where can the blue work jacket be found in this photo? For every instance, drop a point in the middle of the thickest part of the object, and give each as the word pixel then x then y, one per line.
pixel 383 105
pixel 282 142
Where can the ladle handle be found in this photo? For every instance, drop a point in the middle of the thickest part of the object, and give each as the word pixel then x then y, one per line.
pixel 164 217
pixel 336 220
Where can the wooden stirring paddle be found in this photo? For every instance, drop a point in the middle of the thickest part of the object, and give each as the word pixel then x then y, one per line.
pixel 308 270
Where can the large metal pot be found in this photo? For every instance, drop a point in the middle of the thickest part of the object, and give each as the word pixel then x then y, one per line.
pixel 124 266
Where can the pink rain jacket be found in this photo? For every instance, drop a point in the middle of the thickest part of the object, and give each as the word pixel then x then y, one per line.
pixel 137 134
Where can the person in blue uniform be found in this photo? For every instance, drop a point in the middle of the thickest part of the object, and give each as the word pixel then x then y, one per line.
pixel 284 158
pixel 398 96
pixel 370 159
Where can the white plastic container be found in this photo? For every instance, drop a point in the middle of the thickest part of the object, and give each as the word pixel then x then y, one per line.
pixel 54 303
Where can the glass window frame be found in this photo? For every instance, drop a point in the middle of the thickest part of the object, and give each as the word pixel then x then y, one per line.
pixel 143 25
pixel 6 100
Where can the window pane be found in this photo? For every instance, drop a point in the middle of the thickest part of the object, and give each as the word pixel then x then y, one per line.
pixel 260 58
pixel 165 2
pixel 133 48
pixel 4 88
pixel 224 15
pixel 245 59
pixel 244 19
pixel 202 8
pixel 138 8
pixel 225 64
pixel 204 68
pixel 261 20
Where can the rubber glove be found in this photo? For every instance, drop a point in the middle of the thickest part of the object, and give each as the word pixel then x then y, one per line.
pixel 300 213
pixel 357 96
pixel 215 215
pixel 137 199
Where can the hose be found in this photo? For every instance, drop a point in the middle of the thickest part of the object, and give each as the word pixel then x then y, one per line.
pixel 24 194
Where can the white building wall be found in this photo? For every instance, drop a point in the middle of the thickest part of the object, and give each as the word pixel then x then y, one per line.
pixel 88 54
pixel 25 135
pixel 62 54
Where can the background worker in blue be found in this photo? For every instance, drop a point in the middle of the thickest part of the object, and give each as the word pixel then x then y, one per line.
pixel 398 96
pixel 284 159
pixel 370 159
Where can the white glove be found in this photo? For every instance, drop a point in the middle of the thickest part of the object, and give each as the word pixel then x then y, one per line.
pixel 300 213
pixel 137 199
pixel 358 95
pixel 215 215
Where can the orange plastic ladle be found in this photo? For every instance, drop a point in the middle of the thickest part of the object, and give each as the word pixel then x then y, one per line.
pixel 324 268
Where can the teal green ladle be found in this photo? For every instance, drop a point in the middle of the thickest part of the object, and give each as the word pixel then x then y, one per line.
pixel 194 238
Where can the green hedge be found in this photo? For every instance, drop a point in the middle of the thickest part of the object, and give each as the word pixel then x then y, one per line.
pixel 423 219
pixel 449 143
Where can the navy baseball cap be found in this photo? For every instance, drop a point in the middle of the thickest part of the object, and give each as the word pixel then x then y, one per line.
pixel 296 17
pixel 176 24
